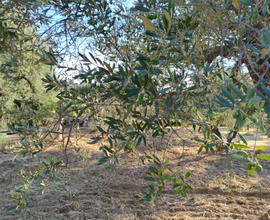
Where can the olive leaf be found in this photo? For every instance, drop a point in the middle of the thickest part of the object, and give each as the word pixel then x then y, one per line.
pixel 236 4
pixel 264 51
pixel 168 17
pixel 147 23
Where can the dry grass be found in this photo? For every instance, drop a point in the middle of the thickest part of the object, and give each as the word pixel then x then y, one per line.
pixel 262 139
pixel 222 188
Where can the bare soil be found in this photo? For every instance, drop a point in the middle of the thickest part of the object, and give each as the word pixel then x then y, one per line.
pixel 222 189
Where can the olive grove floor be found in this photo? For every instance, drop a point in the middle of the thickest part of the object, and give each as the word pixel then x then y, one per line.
pixel 222 189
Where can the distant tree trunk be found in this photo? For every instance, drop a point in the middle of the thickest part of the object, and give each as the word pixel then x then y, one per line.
pixel 60 129
pixel 216 131
pixel 30 123
pixel 81 124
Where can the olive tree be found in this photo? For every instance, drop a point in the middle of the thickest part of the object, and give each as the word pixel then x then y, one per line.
pixel 166 64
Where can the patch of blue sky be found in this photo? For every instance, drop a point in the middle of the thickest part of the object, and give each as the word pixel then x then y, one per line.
pixel 82 44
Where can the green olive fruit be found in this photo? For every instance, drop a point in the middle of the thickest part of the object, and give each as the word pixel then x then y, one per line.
pixel 249 167
pixel 151 17
pixel 252 164
pixel 152 97
pixel 255 16
pixel 258 151
pixel 137 103
pixel 93 77
pixel 255 11
pixel 258 168
pixel 253 20
pixel 246 9
pixel 144 104
pixel 140 97
pixel 122 91
pixel 154 15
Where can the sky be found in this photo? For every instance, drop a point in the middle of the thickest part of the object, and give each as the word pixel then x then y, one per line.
pixel 71 62
pixel 74 61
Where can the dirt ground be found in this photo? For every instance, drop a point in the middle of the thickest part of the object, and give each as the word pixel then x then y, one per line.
pixel 222 189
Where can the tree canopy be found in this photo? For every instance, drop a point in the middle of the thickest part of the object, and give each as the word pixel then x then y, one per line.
pixel 157 66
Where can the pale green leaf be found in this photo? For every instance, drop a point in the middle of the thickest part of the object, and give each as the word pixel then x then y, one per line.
pixel 264 157
pixel 261 148
pixel 236 4
pixel 240 146
pixel 147 23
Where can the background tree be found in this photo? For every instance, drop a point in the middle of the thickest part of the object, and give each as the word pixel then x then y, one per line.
pixel 181 55
pixel 20 77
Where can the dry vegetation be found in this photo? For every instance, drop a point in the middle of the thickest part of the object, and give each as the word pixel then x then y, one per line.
pixel 222 188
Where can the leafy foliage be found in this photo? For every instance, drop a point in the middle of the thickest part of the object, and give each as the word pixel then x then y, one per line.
pixel 158 66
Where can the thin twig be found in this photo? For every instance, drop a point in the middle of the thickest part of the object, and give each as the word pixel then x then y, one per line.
pixel 183 151
pixel 254 148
